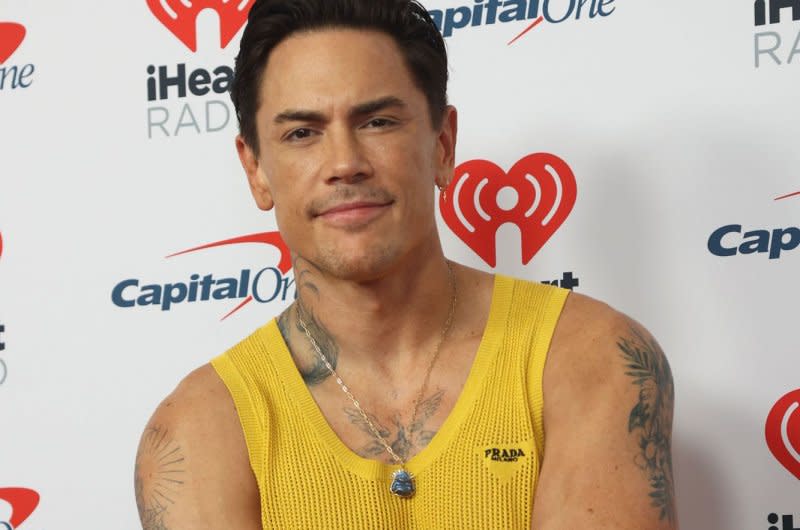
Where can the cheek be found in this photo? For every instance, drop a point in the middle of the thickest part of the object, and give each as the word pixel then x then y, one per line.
pixel 410 158
pixel 289 210
pixel 415 184
pixel 287 178
pixel 289 197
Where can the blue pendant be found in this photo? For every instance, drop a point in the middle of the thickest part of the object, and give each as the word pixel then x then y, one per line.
pixel 402 484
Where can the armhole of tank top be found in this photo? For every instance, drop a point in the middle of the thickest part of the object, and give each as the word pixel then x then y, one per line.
pixel 548 317
pixel 251 418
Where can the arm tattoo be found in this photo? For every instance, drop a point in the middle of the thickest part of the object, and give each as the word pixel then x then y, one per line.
pixel 158 476
pixel 407 438
pixel 651 417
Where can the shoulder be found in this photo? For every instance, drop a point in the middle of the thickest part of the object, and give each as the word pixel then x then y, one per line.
pixel 594 345
pixel 191 453
pixel 601 357
pixel 199 405
pixel 608 395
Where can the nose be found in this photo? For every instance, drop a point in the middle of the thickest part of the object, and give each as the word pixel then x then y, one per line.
pixel 347 161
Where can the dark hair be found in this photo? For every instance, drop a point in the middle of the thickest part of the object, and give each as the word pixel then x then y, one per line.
pixel 272 21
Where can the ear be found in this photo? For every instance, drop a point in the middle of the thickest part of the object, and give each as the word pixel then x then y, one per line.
pixel 446 148
pixel 259 186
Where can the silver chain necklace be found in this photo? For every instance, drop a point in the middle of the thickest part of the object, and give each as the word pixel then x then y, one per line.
pixel 402 481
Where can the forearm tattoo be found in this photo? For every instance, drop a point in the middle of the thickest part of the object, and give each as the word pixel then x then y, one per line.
pixel 158 477
pixel 651 417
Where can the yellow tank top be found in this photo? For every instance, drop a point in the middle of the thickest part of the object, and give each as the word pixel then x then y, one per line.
pixel 479 470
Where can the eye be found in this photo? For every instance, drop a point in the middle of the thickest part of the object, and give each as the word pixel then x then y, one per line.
pixel 378 123
pixel 299 134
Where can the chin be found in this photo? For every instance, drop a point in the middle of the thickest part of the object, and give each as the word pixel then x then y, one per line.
pixel 357 265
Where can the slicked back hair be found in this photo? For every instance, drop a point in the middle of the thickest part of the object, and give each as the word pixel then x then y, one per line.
pixel 272 21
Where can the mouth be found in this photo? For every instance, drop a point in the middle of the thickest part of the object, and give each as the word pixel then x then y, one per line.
pixel 350 206
pixel 354 213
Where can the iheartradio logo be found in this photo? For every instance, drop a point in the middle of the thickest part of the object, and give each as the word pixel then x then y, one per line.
pixel 23 502
pixel 537 194
pixel 783 432
pixel 11 36
pixel 180 17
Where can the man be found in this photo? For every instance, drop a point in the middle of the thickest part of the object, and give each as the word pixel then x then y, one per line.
pixel 400 390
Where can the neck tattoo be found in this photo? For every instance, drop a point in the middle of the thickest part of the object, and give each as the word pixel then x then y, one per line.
pixel 402 481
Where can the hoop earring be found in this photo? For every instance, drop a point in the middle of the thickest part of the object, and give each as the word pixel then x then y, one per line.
pixel 443 193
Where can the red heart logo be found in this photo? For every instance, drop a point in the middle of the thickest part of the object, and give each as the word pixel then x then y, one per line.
pixel 180 17
pixel 537 194
pixel 11 36
pixel 783 432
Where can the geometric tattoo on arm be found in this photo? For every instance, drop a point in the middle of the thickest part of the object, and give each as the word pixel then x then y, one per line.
pixel 651 417
pixel 159 474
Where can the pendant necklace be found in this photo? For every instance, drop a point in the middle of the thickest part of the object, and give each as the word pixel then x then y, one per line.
pixel 402 481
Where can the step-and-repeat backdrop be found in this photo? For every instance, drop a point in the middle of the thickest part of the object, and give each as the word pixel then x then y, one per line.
pixel 641 152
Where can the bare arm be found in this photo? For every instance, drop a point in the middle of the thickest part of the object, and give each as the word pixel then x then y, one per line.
pixel 192 470
pixel 608 421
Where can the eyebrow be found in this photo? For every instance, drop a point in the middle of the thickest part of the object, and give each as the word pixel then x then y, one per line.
pixel 362 109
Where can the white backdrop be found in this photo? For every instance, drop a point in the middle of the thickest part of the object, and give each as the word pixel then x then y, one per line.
pixel 672 122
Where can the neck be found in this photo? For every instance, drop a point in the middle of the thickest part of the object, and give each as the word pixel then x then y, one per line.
pixel 388 321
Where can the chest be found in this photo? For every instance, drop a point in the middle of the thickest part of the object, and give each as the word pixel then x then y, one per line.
pixel 472 454
pixel 375 417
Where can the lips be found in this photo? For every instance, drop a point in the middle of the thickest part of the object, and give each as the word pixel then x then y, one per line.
pixel 351 207
pixel 353 215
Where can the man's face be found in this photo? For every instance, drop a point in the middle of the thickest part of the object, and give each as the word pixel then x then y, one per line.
pixel 348 155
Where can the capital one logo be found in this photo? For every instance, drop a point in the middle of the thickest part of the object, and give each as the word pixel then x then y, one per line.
pixel 734 240
pixel 783 432
pixel 788 196
pixel 23 502
pixel 11 36
pixel 13 77
pixel 266 285
pixel 490 12
pixel 272 239
pixel 537 194
pixel 180 17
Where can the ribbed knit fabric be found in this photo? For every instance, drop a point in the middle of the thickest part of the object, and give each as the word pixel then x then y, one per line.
pixel 478 472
